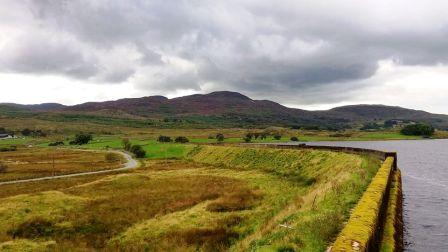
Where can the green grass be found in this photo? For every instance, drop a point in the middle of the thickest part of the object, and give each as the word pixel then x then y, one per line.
pixel 166 150
pixel 16 141
pixel 154 149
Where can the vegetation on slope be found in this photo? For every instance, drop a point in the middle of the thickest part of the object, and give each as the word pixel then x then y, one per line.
pixel 309 224
pixel 217 110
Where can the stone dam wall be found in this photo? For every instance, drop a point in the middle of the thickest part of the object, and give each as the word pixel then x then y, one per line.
pixel 376 222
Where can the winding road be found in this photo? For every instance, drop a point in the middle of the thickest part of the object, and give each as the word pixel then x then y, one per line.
pixel 131 163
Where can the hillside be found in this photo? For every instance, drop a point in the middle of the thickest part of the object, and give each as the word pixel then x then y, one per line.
pixel 218 109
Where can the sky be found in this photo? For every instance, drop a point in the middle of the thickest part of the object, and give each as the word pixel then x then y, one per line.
pixel 304 54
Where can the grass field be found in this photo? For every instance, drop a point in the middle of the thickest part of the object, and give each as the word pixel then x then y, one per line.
pixel 209 199
pixel 40 162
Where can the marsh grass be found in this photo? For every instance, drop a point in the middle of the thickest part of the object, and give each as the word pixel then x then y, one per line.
pixel 235 200
pixel 40 162
pixel 117 203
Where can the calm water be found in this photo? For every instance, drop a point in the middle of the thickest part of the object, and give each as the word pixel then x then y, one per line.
pixel 424 166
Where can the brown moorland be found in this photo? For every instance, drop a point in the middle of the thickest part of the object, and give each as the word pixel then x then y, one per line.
pixel 27 163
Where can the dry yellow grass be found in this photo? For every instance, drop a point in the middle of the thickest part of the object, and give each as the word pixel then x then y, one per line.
pixel 40 162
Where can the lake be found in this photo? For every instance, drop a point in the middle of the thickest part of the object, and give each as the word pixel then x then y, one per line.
pixel 424 166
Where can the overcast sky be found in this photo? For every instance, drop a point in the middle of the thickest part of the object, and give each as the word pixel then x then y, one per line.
pixel 306 54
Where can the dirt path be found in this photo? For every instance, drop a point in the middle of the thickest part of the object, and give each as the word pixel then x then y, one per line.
pixel 131 163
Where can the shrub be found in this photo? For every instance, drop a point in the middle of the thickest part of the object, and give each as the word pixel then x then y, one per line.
pixel 277 136
pixel 81 139
pixel 164 139
pixel 34 228
pixel 138 151
pixel 3 168
pixel 294 139
pixel 219 137
pixel 10 148
pixel 26 132
pixel 112 157
pixel 248 137
pixel 57 143
pixel 418 129
pixel 181 139
pixel 126 144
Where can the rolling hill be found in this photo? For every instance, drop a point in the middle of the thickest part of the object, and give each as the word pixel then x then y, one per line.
pixel 218 109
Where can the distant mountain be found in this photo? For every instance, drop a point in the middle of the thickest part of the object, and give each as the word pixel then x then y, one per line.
pixel 36 107
pixel 382 112
pixel 226 109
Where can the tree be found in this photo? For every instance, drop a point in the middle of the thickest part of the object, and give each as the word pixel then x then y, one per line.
pixel 138 151
pixel 26 132
pixel 126 144
pixel 418 129
pixel 390 123
pixel 370 126
pixel 294 139
pixel 277 136
pixel 164 139
pixel 248 137
pixel 57 143
pixel 181 139
pixel 219 137
pixel 81 139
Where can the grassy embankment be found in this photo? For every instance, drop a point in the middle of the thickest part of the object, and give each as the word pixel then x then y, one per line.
pixel 215 198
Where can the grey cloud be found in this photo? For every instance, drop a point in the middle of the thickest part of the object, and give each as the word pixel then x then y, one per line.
pixel 148 56
pixel 43 56
pixel 290 49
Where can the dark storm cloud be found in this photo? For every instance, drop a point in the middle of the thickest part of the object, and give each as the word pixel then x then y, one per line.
pixel 290 49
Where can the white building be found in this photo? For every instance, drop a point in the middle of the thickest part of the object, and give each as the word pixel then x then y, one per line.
pixel 6 136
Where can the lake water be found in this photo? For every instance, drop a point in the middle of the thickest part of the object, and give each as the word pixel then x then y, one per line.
pixel 424 166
